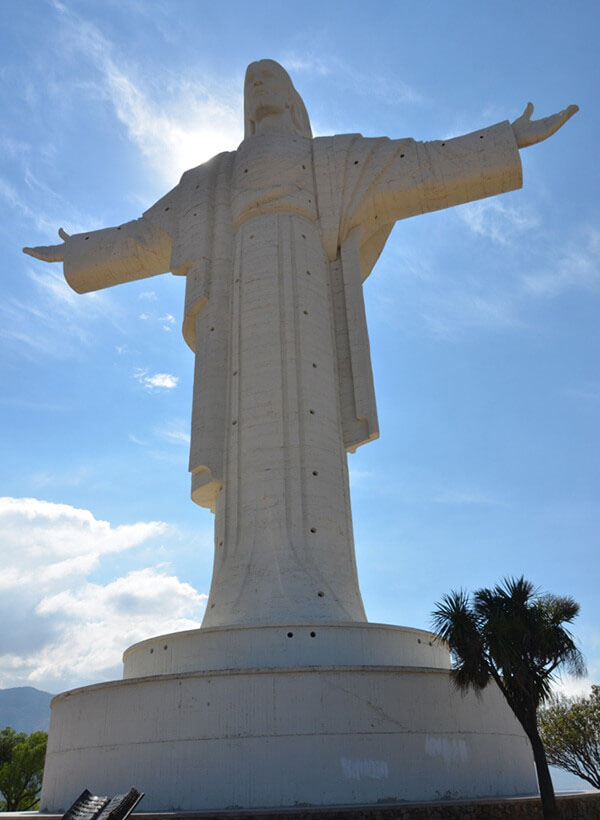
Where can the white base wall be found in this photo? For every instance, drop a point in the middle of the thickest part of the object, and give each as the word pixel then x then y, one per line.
pixel 274 737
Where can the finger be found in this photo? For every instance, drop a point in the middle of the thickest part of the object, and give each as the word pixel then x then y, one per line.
pixel 63 234
pixel 570 110
pixel 528 110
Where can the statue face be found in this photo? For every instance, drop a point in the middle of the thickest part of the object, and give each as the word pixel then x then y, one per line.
pixel 267 90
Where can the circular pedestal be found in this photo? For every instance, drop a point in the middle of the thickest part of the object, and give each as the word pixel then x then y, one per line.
pixel 251 647
pixel 319 734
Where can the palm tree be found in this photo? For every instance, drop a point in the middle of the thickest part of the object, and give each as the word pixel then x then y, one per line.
pixel 514 635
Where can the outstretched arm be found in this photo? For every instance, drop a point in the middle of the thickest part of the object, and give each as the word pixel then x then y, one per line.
pixel 416 177
pixel 528 131
pixel 100 259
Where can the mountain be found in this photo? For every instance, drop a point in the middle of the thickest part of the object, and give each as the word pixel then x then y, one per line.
pixel 25 709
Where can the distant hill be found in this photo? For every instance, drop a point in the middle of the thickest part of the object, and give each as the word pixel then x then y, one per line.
pixel 25 709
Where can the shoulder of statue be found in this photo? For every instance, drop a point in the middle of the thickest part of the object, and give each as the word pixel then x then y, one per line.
pixel 337 139
pixel 207 167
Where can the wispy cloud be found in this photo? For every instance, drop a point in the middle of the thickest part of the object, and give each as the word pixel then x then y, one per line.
pixel 390 90
pixel 156 381
pixel 54 321
pixel 576 266
pixel 494 219
pixel 175 432
pixel 589 392
pixel 44 208
pixel 148 296
pixel 467 497
pixel 175 122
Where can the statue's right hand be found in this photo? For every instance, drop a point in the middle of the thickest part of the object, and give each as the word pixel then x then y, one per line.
pixel 50 253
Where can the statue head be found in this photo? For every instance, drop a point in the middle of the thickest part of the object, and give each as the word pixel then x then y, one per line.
pixel 270 93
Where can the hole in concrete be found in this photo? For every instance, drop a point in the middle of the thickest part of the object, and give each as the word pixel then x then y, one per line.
pixel 313 634
pixel 220 543
pixel 151 651
pixel 290 634
pixel 87 237
pixel 481 136
pixel 245 170
pixel 166 209
pixel 314 364
pixel 119 228
pixel 308 273
pixel 303 235
pixel 418 640
pixel 251 236
pixel 165 646
pixel 312 412
pixel 356 162
pixel 306 313
pixel 315 472
pixel 304 167
pixel 212 606
pixel 234 422
pixel 401 156
pixel 313 529
pixel 443 144
pixel 320 594
pixel 211 330
pixel 235 372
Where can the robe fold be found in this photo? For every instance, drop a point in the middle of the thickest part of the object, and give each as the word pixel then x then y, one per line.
pixel 363 186
pixel 275 241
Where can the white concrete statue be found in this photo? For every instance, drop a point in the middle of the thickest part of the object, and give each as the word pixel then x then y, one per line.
pixel 275 240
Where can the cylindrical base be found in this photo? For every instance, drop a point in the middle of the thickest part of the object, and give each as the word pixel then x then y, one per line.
pixel 285 737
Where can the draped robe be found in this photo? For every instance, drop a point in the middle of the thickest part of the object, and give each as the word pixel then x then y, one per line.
pixel 275 241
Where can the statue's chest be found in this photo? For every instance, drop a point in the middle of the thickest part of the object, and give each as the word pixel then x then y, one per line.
pixel 273 173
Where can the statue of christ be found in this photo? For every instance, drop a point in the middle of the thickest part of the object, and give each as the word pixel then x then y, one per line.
pixel 275 240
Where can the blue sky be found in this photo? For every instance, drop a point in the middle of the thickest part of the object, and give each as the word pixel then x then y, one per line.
pixel 483 320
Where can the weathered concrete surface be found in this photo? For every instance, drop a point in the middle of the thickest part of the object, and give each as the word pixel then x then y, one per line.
pixel 344 644
pixel 284 737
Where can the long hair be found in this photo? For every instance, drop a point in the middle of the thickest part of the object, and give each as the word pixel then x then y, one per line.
pixel 298 110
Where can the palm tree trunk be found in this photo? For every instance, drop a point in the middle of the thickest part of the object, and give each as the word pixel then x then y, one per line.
pixel 549 807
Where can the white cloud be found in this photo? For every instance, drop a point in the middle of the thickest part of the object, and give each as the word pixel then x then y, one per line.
pixel 63 320
pixel 466 497
pixel 494 219
pixel 52 541
pixel 157 381
pixel 59 627
pixel 574 266
pixel 175 432
pixel 176 122
pixel 391 90
pixel 148 296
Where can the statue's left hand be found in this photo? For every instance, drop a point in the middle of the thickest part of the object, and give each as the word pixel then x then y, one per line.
pixel 528 131
pixel 50 253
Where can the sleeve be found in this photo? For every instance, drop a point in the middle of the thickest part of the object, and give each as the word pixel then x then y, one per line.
pixel 427 176
pixel 134 250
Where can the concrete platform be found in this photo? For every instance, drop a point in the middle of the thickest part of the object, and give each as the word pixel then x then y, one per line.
pixel 355 714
